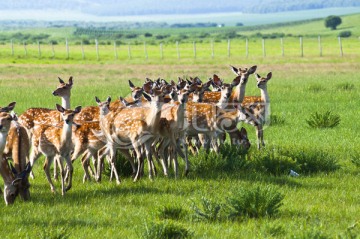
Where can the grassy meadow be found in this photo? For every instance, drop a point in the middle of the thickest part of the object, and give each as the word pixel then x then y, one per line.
pixel 323 202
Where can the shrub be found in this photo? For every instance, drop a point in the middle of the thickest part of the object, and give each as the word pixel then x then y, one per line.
pixel 345 86
pixel 277 119
pixel 345 34
pixel 316 88
pixel 208 210
pixel 165 230
pixel 122 166
pixel 254 203
pixel 323 120
pixel 332 22
pixel 147 34
pixel 271 161
pixel 171 212
pixel 311 160
pixel 355 159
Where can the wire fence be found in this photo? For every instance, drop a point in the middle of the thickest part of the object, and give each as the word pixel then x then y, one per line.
pixel 283 47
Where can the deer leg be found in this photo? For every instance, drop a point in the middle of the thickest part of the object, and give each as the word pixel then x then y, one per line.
pixel 112 163
pixel 140 163
pixel 162 147
pixel 47 164
pixel 259 135
pixel 33 157
pixel 128 156
pixel 86 165
pixel 101 153
pixel 186 154
pixel 69 170
pixel 149 158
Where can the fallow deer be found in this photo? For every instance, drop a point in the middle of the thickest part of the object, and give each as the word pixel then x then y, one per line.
pixel 15 181
pixel 55 141
pixel 258 112
pixel 134 128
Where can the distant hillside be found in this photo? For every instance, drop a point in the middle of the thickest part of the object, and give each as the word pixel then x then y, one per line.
pixel 146 7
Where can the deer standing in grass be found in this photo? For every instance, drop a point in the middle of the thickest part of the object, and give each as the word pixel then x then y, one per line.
pixel 55 141
pixel 134 128
pixel 258 112
pixel 16 143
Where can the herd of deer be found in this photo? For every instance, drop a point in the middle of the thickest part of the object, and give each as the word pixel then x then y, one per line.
pixel 160 120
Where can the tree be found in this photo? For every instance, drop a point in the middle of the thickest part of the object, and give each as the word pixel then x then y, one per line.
pixel 332 22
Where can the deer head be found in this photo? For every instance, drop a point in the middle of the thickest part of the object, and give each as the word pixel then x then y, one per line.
pixel 244 73
pixel 261 81
pixel 8 108
pixel 63 88
pixel 68 115
pixel 21 181
pixel 136 92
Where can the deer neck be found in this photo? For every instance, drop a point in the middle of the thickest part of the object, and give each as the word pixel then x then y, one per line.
pixel 264 95
pixel 154 115
pixel 239 93
pixel 180 114
pixel 3 136
pixel 65 101
pixel 66 134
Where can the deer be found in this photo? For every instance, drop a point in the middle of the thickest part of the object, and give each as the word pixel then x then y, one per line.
pixel 15 181
pixel 55 141
pixel 134 128
pixel 208 119
pixel 258 112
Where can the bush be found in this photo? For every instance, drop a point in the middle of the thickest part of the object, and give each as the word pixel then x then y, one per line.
pixel 277 120
pixel 122 166
pixel 345 34
pixel 271 161
pixel 165 230
pixel 171 212
pixel 148 34
pixel 312 161
pixel 254 203
pixel 355 159
pixel 345 86
pixel 207 211
pixel 323 120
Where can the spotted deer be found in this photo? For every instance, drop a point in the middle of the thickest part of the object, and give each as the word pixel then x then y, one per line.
pixel 134 128
pixel 209 119
pixel 238 93
pixel 15 181
pixel 33 116
pixel 55 141
pixel 258 112
pixel 172 130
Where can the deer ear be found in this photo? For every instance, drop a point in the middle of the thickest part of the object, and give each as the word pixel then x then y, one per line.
pixel 28 168
pixel 61 81
pixel 11 106
pixel 269 75
pixel 60 108
pixel 252 69
pixel 217 80
pixel 131 84
pixel 257 76
pixel 235 70
pixel 147 97
pixel 236 81
pixel 71 81
pixel 13 170
pixel 123 101
pixel 77 109
pixel 108 99
pixel 97 100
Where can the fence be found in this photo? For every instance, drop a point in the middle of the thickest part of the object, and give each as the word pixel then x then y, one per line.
pixel 284 47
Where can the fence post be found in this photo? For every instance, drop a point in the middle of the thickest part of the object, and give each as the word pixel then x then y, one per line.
pixel 52 49
pixel 115 51
pixel 247 47
pixel 39 49
pixel 282 46
pixel 97 49
pixel 212 49
pixel 67 48
pixel 12 47
pixel 320 47
pixel 194 49
pixel 161 51
pixel 82 50
pixel 25 48
pixel 228 47
pixel 340 44
pixel 129 51
pixel 177 49
pixel 263 47
pixel 301 47
pixel 145 51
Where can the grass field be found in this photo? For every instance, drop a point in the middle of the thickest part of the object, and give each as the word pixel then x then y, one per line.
pixel 323 202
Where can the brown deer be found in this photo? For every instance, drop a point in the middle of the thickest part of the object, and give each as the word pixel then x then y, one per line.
pixel 55 141
pixel 15 181
pixel 134 128
pixel 258 112
pixel 239 93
